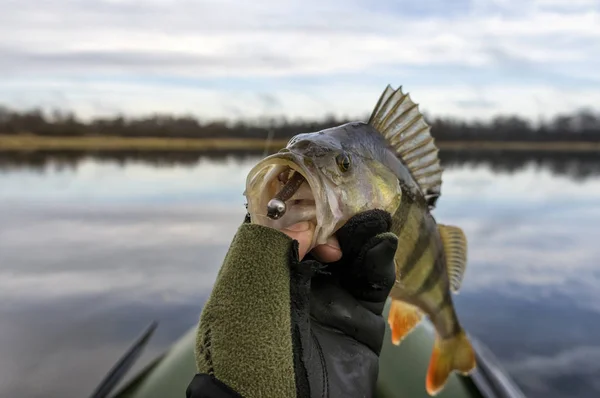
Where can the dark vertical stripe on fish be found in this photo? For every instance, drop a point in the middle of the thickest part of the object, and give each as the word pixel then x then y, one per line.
pixel 420 246
pixel 446 300
pixel 451 318
pixel 456 328
pixel 445 312
pixel 406 203
pixel 433 276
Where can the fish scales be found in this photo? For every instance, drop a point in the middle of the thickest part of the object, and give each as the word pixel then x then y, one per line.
pixel 420 265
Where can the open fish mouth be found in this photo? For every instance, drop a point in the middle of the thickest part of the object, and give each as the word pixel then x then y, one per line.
pixel 284 189
pixel 295 190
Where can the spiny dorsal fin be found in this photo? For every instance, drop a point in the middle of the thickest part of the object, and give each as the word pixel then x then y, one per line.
pixel 455 248
pixel 399 120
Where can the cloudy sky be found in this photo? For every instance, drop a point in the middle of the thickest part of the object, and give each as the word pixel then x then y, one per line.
pixel 301 58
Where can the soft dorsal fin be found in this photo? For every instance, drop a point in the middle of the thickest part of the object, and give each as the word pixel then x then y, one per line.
pixel 399 120
pixel 455 248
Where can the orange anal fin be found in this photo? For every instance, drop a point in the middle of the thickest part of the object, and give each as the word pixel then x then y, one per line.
pixel 455 354
pixel 403 317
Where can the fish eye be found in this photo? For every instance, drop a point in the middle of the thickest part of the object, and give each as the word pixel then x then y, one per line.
pixel 343 161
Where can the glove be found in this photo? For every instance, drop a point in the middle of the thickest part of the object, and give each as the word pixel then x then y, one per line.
pixel 346 302
pixel 278 327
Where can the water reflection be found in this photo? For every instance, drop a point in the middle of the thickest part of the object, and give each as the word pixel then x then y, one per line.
pixel 90 254
pixel 578 165
pixel 78 283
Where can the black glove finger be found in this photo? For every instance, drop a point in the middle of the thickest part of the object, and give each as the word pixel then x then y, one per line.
pixel 373 273
pixel 359 229
pixel 333 306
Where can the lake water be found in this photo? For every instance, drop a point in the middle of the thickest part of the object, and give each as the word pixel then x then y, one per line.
pixel 90 254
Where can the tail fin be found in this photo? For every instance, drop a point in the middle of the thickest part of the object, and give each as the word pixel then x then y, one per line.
pixel 454 354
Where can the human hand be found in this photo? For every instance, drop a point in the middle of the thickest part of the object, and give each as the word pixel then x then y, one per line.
pixel 276 325
pixel 340 295
pixel 303 232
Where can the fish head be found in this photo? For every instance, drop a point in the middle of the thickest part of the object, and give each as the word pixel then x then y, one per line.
pixel 343 173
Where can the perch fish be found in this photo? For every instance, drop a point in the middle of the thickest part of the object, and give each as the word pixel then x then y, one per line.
pixel 391 163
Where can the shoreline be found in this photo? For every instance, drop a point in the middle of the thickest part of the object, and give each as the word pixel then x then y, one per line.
pixel 32 143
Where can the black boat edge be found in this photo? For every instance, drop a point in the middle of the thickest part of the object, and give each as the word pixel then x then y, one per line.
pixel 124 364
pixel 491 379
pixel 488 380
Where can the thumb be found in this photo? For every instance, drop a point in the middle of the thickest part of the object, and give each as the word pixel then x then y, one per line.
pixel 303 233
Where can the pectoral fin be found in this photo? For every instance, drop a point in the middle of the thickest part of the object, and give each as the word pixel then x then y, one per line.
pixel 455 248
pixel 403 317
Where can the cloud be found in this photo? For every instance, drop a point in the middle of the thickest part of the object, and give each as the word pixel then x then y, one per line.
pixel 222 183
pixel 318 49
pixel 475 104
pixel 141 61
pixel 88 98
pixel 578 359
pixel 570 372
pixel 269 100
pixel 70 251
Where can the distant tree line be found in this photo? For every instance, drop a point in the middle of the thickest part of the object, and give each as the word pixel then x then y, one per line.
pixel 583 125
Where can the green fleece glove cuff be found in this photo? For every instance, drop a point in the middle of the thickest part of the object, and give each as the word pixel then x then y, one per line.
pixel 250 305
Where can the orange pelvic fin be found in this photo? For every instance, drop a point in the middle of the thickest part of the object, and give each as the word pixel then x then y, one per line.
pixel 403 317
pixel 454 354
